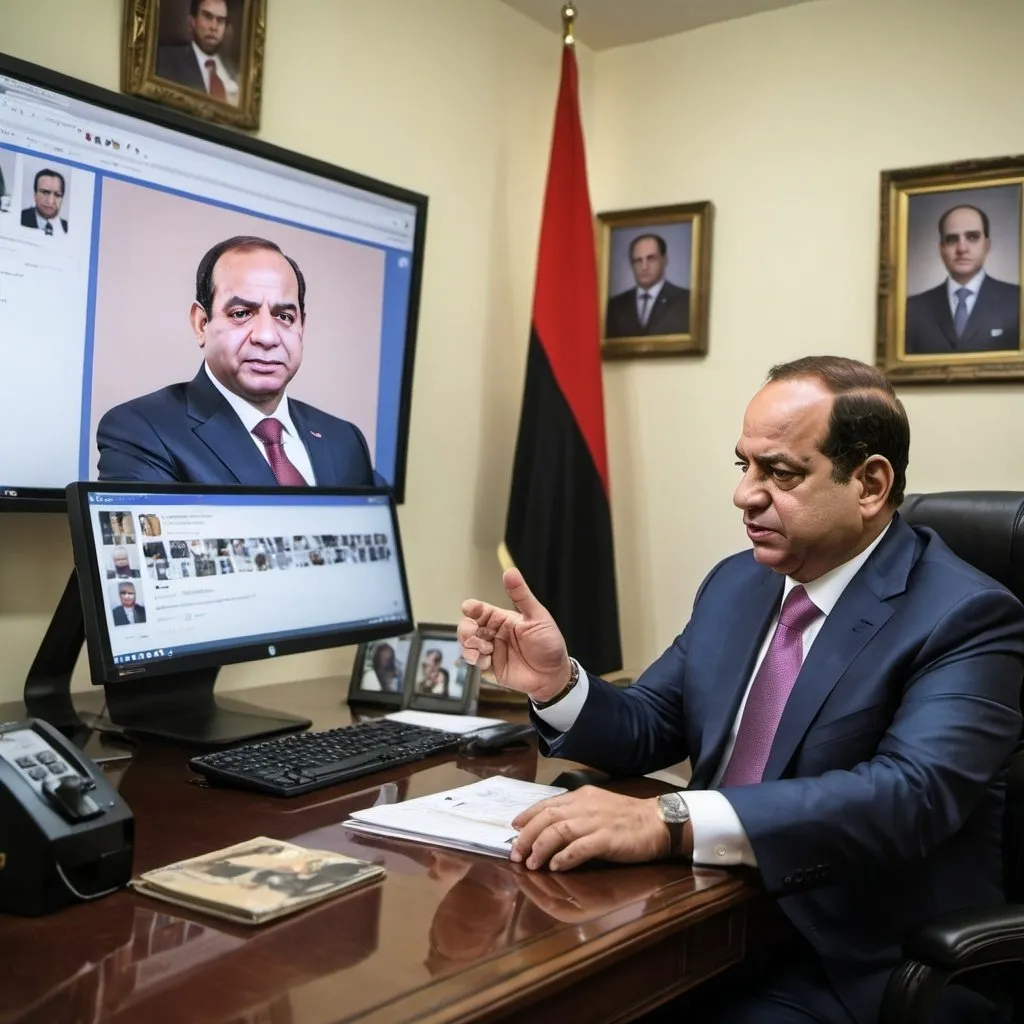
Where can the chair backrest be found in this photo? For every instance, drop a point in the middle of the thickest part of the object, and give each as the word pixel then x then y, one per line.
pixel 986 528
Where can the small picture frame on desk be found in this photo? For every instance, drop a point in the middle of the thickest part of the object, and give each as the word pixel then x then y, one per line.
pixel 381 671
pixel 439 678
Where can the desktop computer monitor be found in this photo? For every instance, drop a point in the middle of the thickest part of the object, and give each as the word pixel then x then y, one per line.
pixel 177 580
pixel 107 207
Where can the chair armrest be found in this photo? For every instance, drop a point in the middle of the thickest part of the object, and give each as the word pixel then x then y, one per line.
pixel 970 938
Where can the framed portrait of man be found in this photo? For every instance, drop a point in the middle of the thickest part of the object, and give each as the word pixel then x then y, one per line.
pixel 949 297
pixel 654 274
pixel 201 56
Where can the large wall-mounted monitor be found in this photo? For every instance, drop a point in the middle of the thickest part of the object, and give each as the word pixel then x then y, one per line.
pixel 177 580
pixel 107 205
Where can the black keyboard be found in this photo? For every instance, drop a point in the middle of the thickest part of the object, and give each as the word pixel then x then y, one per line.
pixel 301 762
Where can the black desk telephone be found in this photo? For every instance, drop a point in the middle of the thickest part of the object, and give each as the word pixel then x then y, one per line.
pixel 65 833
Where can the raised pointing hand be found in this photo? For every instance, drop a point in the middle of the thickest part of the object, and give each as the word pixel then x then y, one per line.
pixel 524 648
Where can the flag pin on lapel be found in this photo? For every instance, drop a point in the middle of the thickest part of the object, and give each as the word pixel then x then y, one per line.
pixel 317 435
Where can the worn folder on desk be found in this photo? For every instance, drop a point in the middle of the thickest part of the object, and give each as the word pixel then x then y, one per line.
pixel 256 881
pixel 475 818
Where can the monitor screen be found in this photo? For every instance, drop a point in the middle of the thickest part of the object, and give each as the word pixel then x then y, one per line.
pixel 107 207
pixel 177 578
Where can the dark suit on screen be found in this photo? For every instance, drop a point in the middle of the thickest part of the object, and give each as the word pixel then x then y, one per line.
pixel 177 62
pixel 121 617
pixel 28 219
pixel 882 803
pixel 187 433
pixel 669 315
pixel 994 323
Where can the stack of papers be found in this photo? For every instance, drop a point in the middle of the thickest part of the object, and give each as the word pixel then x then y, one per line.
pixel 448 723
pixel 475 818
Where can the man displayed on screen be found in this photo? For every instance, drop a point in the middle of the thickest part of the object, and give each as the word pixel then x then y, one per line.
pixel 128 613
pixel 199 63
pixel 48 194
pixel 122 566
pixel 233 423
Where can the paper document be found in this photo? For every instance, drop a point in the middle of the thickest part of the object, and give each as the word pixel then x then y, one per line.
pixel 476 818
pixel 449 723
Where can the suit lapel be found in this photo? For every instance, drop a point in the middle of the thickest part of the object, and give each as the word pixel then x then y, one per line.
pixel 942 314
pixel 319 451
pixel 742 632
pixel 859 614
pixel 215 424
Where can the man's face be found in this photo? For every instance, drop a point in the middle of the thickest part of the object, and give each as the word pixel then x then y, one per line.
pixel 647 262
pixel 121 560
pixel 252 339
pixel 128 597
pixel 209 25
pixel 963 245
pixel 49 196
pixel 801 522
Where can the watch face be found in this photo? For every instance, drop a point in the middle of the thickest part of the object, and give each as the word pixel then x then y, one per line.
pixel 672 808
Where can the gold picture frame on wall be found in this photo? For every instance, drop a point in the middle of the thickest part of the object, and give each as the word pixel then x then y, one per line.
pixel 654 271
pixel 949 283
pixel 201 56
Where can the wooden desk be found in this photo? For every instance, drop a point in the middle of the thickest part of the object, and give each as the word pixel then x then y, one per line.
pixel 446 937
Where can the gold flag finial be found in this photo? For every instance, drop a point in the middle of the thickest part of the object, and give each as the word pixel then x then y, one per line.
pixel 568 17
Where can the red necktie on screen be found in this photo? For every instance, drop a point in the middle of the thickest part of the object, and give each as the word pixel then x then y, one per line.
pixel 770 690
pixel 269 432
pixel 217 89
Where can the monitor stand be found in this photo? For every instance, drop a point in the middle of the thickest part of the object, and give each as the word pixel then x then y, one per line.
pixel 180 707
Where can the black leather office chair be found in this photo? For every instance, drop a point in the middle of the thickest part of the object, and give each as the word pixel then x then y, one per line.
pixel 985 528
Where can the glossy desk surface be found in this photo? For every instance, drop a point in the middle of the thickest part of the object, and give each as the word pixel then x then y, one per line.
pixel 445 937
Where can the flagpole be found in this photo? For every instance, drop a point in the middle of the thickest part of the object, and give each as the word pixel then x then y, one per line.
pixel 568 17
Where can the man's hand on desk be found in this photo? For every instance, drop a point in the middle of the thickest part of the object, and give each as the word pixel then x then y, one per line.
pixel 566 831
pixel 524 648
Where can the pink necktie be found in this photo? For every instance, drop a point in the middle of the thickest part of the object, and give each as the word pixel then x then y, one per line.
pixel 770 691
pixel 269 432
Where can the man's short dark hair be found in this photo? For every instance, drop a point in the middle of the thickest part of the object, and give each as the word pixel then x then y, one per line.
pixel 240 243
pixel 867 417
pixel 121 587
pixel 963 206
pixel 658 240
pixel 46 172
pixel 193 8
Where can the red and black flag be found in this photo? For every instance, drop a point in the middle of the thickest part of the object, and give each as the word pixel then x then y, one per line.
pixel 559 527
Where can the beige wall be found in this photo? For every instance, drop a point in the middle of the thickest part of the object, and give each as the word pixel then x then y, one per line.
pixel 783 120
pixel 453 98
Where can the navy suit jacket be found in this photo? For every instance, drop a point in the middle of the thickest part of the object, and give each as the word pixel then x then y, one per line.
pixel 121 618
pixel 882 800
pixel 28 219
pixel 187 433
pixel 993 326
pixel 670 314
pixel 177 62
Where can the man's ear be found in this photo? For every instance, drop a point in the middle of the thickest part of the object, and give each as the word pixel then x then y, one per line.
pixel 876 478
pixel 198 318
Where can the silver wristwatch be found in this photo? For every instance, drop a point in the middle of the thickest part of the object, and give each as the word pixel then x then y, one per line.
pixel 673 811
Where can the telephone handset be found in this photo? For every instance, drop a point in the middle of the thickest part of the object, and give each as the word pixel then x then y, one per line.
pixel 66 835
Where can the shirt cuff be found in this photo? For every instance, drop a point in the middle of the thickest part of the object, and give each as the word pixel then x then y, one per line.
pixel 719 840
pixel 562 716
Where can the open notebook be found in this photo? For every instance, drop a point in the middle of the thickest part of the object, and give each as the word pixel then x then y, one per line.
pixel 476 818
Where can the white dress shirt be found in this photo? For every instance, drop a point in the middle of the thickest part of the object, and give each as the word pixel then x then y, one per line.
pixel 974 286
pixel 129 614
pixel 654 291
pixel 718 836
pixel 230 85
pixel 251 417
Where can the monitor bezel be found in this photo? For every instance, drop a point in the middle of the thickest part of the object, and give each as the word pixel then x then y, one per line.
pixel 40 499
pixel 102 669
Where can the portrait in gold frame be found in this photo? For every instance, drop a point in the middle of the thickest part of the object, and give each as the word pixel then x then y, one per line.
pixel 949 288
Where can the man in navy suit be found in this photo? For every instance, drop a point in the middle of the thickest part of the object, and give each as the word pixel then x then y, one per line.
pixel 248 318
pixel 48 194
pixel 128 613
pixel 970 311
pixel 654 306
pixel 864 784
